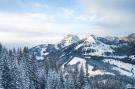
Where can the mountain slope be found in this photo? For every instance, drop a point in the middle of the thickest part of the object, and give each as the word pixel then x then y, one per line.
pixel 42 51
pixel 130 38
pixel 68 40
pixel 103 55
pixel 101 67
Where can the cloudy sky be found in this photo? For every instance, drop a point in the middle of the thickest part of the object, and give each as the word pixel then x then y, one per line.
pixel 32 22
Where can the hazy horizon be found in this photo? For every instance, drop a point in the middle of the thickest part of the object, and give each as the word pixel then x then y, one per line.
pixel 32 22
pixel 33 43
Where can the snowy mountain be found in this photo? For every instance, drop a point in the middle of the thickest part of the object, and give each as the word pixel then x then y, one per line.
pixel 89 63
pixel 80 62
pixel 94 47
pixel 68 40
pixel 130 38
pixel 102 55
pixel 42 51
pixel 105 66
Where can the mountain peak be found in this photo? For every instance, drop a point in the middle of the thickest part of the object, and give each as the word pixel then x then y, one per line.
pixel 131 35
pixel 130 38
pixel 90 38
pixel 69 39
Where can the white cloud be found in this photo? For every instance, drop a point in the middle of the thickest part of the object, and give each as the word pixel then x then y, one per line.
pixel 48 28
pixel 67 12
pixel 116 16
pixel 15 27
pixel 41 23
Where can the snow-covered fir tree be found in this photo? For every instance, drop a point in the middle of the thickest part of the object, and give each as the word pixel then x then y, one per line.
pixel 20 69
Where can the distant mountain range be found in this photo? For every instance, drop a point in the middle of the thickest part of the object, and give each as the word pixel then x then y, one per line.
pixel 103 55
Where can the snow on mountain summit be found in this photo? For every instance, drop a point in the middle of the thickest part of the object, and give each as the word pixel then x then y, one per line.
pixel 103 55
pixel 94 47
pixel 90 39
pixel 69 39
pixel 131 37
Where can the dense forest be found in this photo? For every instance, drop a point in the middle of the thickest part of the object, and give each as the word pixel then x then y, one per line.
pixel 20 70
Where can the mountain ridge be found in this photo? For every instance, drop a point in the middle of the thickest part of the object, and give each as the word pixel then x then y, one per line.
pixel 98 52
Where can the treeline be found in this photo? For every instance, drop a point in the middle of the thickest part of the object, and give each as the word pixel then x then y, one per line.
pixel 20 70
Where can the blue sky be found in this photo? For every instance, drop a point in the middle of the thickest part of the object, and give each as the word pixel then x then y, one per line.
pixel 47 21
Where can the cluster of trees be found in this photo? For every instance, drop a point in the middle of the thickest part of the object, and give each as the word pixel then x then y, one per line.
pixel 20 70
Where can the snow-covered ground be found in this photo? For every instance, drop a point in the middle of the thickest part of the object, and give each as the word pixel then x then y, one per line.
pixel 97 72
pixel 124 68
pixel 99 47
pixel 132 57
pixel 76 60
pixel 39 57
pixel 82 63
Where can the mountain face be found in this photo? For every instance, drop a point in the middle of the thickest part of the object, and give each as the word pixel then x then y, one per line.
pixel 102 55
pixel 68 40
pixel 43 50
pixel 130 38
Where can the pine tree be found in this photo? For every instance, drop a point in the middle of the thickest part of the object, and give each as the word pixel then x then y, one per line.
pixel 61 81
pixel 7 80
pixel 0 48
pixel 81 79
pixel 52 80
pixel 32 72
